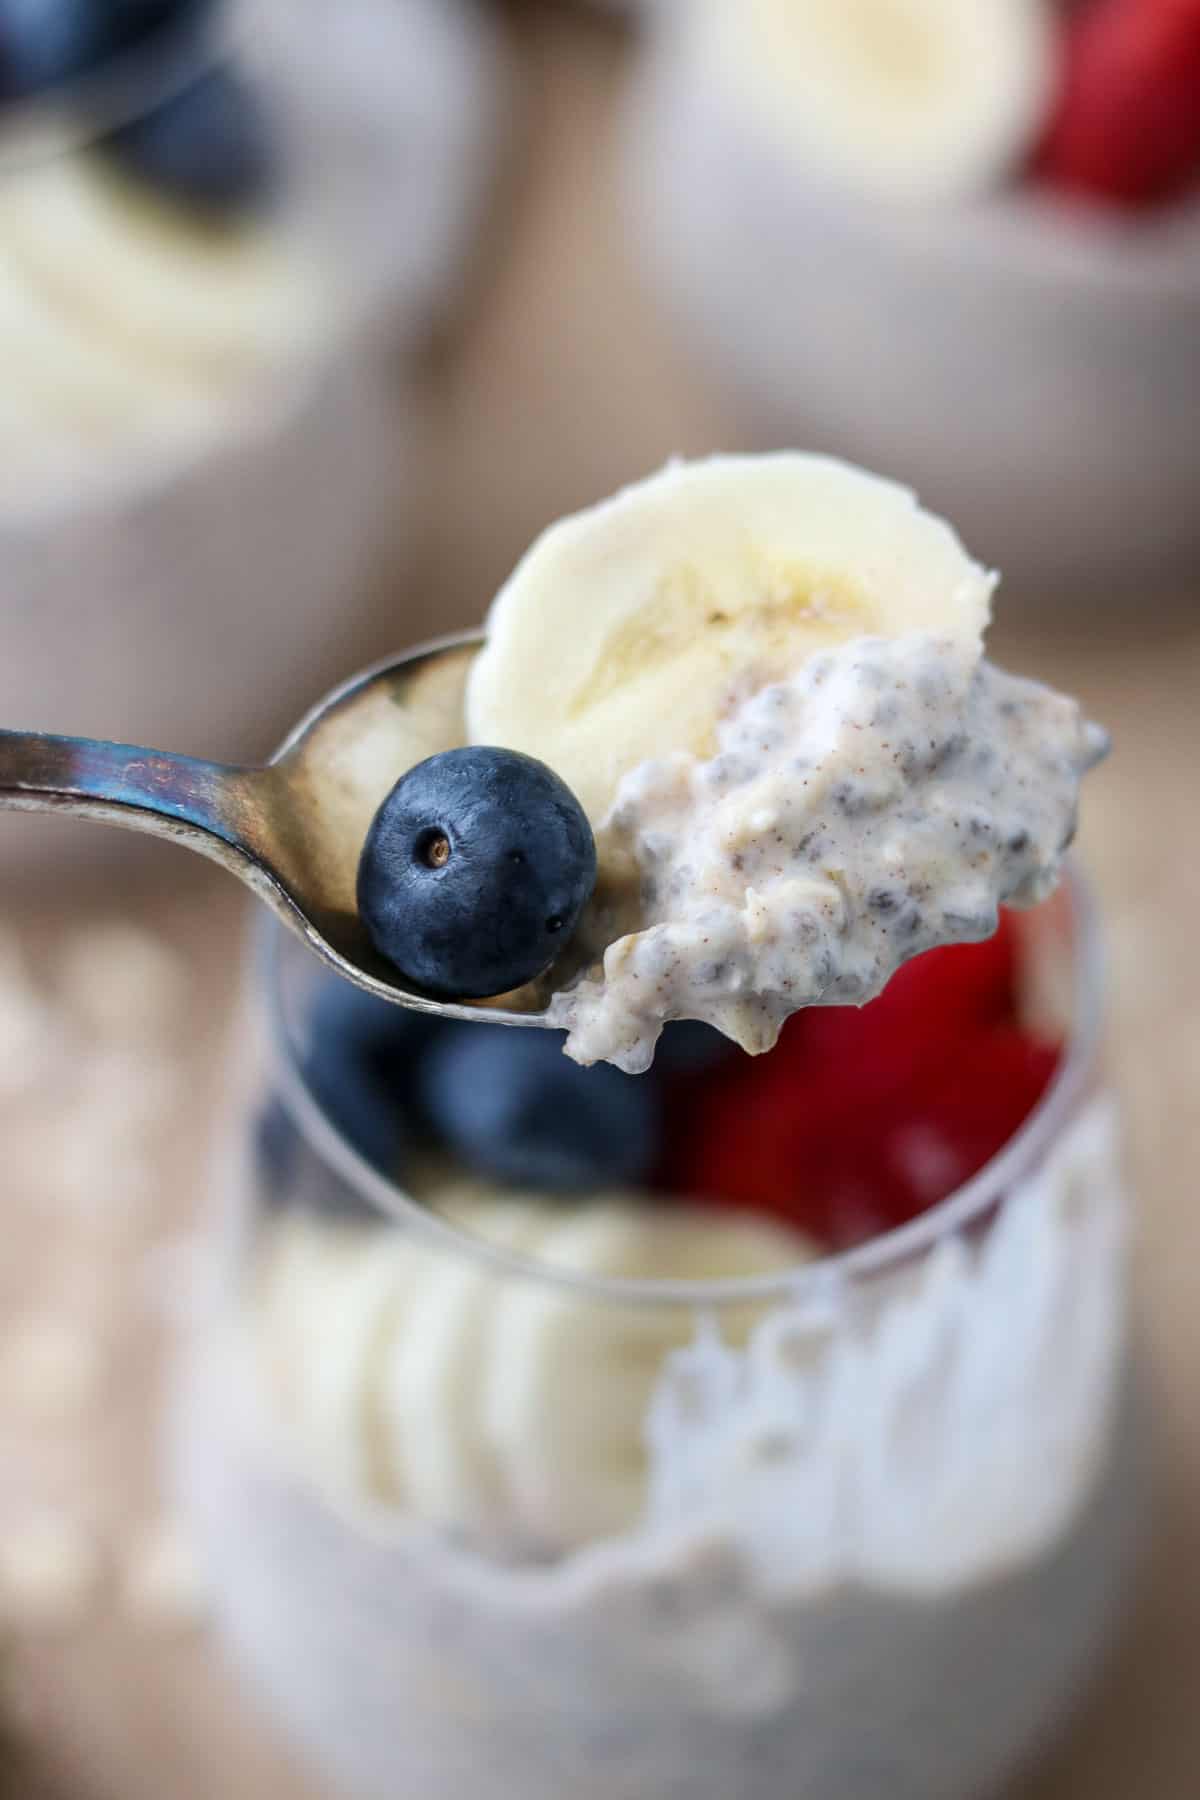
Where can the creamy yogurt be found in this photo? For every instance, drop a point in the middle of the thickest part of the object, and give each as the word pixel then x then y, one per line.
pixel 886 798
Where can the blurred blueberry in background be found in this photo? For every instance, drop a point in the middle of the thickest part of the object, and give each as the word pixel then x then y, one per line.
pixel 358 1062
pixel 511 1106
pixel 207 146
pixel 689 1045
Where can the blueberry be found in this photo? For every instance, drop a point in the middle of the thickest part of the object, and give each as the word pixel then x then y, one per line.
pixel 207 146
pixel 475 871
pixel 688 1046
pixel 512 1107
pixel 356 1062
pixel 45 42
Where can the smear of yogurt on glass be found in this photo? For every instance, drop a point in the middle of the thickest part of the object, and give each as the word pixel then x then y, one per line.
pixel 885 799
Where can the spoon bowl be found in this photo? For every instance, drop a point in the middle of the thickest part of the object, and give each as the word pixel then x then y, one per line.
pixel 293 828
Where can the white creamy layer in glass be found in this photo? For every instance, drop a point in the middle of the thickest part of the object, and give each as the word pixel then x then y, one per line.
pixel 419 1381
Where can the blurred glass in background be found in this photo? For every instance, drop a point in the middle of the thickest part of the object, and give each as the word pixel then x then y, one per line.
pixel 957 242
pixel 208 452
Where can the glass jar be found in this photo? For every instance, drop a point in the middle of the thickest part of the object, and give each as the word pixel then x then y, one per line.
pixel 875 1539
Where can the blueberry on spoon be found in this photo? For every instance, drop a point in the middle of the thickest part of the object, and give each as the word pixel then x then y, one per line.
pixel 475 871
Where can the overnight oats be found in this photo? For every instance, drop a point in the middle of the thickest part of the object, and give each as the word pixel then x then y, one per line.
pixel 752 1423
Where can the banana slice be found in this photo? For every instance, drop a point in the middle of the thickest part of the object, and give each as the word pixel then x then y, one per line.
pixel 124 322
pixel 128 319
pixel 483 1402
pixel 567 1381
pixel 911 99
pixel 428 1425
pixel 631 630
pixel 137 275
pixel 329 1300
pixel 290 1274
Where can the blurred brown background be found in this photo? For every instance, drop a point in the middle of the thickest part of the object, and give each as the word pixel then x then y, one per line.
pixel 558 382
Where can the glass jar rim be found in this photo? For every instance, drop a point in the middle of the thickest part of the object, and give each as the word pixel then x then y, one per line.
pixel 809 1282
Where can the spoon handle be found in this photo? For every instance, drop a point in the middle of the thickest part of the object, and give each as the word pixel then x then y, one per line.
pixel 208 805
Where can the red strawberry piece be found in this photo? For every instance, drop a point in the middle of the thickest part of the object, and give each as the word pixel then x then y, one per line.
pixel 865 1055
pixel 964 1118
pixel 764 1143
pixel 846 1190
pixel 731 1135
pixel 817 1133
pixel 1126 126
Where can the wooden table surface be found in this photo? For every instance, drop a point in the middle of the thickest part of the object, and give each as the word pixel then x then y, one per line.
pixel 560 383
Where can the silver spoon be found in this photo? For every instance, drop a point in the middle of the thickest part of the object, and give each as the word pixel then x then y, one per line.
pixel 293 828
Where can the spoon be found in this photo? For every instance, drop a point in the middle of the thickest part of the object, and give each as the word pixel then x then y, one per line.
pixel 292 829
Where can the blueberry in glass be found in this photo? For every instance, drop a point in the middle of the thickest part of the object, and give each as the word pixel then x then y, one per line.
pixel 46 42
pixel 207 146
pixel 510 1106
